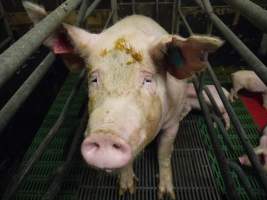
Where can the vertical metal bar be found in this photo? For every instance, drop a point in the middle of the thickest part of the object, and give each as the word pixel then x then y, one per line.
pixel 91 8
pixel 15 55
pixel 114 7
pixel 157 10
pixel 174 16
pixel 183 18
pixel 133 6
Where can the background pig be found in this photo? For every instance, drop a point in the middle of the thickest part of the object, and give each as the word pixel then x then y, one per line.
pixel 131 95
pixel 260 150
pixel 193 102
pixel 245 79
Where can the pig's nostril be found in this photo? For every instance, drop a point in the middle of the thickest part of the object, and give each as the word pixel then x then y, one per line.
pixel 96 145
pixel 116 146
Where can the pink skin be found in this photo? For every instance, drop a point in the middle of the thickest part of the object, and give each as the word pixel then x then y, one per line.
pixel 106 151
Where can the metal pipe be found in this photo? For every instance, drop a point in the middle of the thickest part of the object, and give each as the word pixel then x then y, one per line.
pixel 222 160
pixel 114 8
pixel 157 10
pixel 133 6
pixel 63 170
pixel 253 12
pixel 16 54
pixel 243 177
pixel 255 64
pixel 91 8
pixel 19 97
pixel 82 11
pixel 184 19
pixel 174 16
pixel 24 170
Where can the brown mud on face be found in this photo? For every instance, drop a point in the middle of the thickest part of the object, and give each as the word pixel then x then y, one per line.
pixel 122 45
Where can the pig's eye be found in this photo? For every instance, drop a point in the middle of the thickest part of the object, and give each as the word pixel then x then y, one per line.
pixel 93 80
pixel 147 80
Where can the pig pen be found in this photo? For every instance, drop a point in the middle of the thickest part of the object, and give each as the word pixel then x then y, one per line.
pixel 205 164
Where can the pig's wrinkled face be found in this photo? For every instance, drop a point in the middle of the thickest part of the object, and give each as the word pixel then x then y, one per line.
pixel 124 106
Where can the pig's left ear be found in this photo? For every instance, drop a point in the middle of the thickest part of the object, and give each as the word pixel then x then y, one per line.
pixel 82 41
pixel 182 57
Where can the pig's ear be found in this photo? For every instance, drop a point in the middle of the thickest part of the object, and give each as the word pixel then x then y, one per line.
pixel 80 39
pixel 182 57
pixel 35 12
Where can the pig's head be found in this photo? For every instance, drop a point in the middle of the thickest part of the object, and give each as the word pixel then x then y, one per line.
pixel 128 87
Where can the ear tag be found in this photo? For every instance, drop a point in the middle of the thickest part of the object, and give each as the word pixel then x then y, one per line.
pixel 175 57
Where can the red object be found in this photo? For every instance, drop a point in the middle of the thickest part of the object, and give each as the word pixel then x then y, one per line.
pixel 253 103
pixel 61 45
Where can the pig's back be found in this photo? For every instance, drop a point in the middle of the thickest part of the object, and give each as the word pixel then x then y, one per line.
pixel 249 80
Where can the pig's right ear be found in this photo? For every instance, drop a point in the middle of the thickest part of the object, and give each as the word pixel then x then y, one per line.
pixel 182 57
pixel 71 43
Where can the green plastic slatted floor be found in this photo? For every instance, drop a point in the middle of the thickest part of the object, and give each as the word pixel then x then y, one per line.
pixel 196 172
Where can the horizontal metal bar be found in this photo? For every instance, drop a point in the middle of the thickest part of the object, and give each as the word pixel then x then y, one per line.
pixel 15 55
pixel 91 8
pixel 220 156
pixel 254 63
pixel 25 168
pixel 145 3
pixel 253 12
pixel 63 170
pixel 14 103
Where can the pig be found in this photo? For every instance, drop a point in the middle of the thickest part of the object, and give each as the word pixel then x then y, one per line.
pixel 250 81
pixel 261 151
pixel 132 96
pixel 193 102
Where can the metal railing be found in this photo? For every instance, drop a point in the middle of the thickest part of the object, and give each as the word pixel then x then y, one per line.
pixel 225 165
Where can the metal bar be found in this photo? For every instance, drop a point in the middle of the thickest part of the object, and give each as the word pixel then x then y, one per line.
pixel 157 10
pixel 63 170
pixel 15 55
pixel 24 170
pixel 14 103
pixel 108 20
pixel 222 160
pixel 114 8
pixel 244 180
pixel 255 64
pixel 174 16
pixel 184 19
pixel 253 12
pixel 133 6
pixel 146 3
pixel 82 12
pixel 240 131
pixel 91 8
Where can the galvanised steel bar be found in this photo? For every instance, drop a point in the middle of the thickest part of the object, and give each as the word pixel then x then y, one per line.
pixel 91 8
pixel 255 64
pixel 220 156
pixel 253 12
pixel 133 6
pixel 174 16
pixel 243 177
pixel 14 103
pixel 114 8
pixel 157 10
pixel 82 12
pixel 24 170
pixel 15 55
pixel 62 170
pixel 184 19
pixel 108 20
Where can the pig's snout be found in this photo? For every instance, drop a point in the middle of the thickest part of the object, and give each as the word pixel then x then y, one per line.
pixel 106 151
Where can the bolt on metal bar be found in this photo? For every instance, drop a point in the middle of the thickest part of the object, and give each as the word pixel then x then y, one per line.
pixel 16 54
pixel 19 97
pixel 24 169
pixel 91 8
pixel 221 158
pixel 62 170
pixel 254 63
pixel 253 12
pixel 243 177
pixel 114 8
